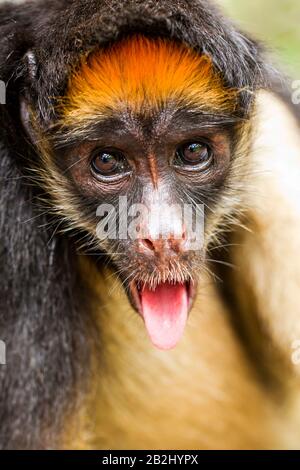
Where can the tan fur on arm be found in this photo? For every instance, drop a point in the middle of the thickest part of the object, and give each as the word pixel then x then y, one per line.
pixel 266 281
pixel 270 255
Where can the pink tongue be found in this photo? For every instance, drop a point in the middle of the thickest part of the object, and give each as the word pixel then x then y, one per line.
pixel 165 313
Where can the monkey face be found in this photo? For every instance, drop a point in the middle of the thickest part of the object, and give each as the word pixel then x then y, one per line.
pixel 147 130
pixel 145 172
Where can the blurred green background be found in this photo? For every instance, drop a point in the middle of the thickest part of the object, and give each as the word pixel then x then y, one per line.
pixel 276 22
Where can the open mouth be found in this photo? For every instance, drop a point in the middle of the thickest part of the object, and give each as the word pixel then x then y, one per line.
pixel 164 309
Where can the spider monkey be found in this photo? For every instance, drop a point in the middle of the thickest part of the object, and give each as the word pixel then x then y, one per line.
pixel 145 342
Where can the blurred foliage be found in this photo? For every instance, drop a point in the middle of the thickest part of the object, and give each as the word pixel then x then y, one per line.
pixel 276 22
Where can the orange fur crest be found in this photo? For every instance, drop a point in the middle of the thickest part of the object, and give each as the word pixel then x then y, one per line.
pixel 142 74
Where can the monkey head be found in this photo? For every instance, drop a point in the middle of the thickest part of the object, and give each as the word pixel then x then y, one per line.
pixel 146 129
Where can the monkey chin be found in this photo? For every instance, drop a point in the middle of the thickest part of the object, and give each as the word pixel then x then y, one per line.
pixel 164 309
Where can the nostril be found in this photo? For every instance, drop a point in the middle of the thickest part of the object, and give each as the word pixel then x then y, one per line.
pixel 148 244
pixel 177 245
pixel 174 245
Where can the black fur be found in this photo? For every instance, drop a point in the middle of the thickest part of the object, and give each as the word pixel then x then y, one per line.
pixel 41 294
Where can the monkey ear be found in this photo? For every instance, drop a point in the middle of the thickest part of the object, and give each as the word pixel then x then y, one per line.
pixel 30 72
pixel 17 65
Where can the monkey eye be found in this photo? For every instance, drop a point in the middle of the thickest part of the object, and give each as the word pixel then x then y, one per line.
pixel 109 164
pixel 194 156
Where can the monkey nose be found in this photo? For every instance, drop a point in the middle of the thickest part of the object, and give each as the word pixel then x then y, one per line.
pixel 162 247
